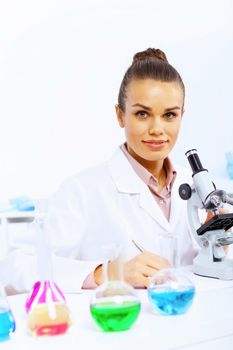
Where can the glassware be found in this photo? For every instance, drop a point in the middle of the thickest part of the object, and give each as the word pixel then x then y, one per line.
pixel 229 166
pixel 7 321
pixel 115 305
pixel 171 292
pixel 48 313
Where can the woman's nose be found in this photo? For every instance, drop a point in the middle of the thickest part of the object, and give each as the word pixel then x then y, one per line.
pixel 156 127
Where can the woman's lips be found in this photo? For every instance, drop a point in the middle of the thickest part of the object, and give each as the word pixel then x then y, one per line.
pixel 155 144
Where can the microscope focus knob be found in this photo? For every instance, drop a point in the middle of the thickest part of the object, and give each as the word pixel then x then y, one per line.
pixel 185 191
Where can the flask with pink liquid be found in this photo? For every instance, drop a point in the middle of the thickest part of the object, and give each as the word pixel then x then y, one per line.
pixel 46 307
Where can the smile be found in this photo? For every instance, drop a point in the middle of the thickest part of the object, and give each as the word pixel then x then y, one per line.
pixel 155 144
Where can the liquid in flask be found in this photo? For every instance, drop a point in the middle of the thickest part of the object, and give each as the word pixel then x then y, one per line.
pixel 115 305
pixel 7 321
pixel 46 307
pixel 171 292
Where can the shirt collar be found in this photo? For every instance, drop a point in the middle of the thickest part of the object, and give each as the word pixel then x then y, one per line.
pixel 145 175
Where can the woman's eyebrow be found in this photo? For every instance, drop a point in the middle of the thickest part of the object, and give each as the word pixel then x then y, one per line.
pixel 172 108
pixel 142 106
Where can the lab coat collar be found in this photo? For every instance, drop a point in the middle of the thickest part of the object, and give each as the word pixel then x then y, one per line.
pixel 127 181
pixel 123 174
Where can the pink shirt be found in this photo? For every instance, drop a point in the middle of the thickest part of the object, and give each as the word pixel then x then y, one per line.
pixel 163 198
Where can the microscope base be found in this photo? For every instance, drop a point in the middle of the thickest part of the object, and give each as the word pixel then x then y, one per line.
pixel 221 269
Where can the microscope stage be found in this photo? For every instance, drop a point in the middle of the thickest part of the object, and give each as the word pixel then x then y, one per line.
pixel 217 222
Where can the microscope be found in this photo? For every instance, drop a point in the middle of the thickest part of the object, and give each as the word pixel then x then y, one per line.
pixel 213 235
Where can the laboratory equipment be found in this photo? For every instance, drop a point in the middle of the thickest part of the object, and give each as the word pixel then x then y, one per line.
pixel 46 307
pixel 212 236
pixel 7 321
pixel 115 305
pixel 22 203
pixel 229 159
pixel 171 292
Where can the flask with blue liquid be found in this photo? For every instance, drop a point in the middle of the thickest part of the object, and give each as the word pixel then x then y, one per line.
pixel 7 321
pixel 171 292
pixel 229 159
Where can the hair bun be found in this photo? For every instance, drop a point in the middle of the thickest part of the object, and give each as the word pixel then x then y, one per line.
pixel 156 54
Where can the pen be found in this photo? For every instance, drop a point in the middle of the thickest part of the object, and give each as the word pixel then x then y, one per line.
pixel 138 246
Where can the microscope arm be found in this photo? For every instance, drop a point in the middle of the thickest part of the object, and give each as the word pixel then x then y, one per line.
pixel 194 203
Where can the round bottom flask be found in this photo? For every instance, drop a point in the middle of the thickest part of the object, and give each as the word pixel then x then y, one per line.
pixel 171 292
pixel 7 321
pixel 115 306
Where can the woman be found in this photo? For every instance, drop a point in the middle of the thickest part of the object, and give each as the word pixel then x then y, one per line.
pixel 133 198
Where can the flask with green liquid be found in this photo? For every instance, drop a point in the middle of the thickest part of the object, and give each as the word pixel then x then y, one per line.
pixel 115 305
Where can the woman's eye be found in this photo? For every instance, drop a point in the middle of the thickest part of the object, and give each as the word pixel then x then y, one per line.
pixel 142 114
pixel 170 115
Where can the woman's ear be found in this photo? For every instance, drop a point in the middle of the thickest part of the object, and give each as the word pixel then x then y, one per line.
pixel 120 116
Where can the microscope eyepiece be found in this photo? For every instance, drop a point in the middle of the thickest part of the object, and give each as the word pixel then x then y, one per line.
pixel 194 161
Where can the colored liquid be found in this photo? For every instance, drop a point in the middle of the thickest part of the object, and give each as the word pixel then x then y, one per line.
pixel 112 317
pixel 170 301
pixel 49 319
pixel 7 324
pixel 44 289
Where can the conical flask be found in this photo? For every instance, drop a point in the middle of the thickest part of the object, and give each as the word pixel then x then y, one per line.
pixel 48 313
pixel 114 305
pixel 7 321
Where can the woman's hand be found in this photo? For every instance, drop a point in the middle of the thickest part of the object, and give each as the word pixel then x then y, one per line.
pixel 136 270
pixel 142 266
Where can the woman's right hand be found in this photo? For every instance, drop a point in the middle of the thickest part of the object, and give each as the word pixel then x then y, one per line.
pixel 136 270
pixel 142 266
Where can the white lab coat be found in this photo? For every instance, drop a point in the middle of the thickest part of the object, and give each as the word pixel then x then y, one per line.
pixel 100 206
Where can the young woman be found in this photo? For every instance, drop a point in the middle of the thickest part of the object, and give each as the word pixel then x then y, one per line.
pixel 132 199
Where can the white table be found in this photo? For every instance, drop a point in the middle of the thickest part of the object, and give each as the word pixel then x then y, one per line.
pixel 207 325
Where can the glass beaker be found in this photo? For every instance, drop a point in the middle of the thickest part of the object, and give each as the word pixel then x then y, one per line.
pixel 115 305
pixel 7 321
pixel 48 313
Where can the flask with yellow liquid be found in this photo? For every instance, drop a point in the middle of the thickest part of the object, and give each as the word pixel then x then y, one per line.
pixel 46 307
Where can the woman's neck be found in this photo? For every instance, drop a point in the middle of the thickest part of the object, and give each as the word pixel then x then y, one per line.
pixel 156 168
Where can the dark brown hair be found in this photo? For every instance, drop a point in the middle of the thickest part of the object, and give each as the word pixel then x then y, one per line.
pixel 148 64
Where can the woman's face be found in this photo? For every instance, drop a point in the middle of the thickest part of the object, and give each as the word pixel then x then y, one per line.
pixel 152 118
